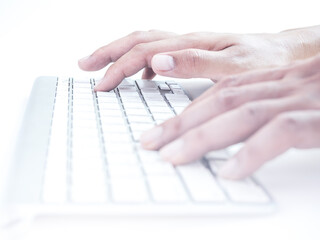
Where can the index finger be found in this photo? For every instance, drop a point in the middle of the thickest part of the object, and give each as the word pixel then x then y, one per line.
pixel 113 51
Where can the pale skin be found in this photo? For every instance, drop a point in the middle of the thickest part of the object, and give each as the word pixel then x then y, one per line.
pixel 271 109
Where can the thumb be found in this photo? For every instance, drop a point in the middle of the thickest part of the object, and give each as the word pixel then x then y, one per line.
pixel 187 63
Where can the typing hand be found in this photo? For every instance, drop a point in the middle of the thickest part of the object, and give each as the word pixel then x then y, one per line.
pixel 207 55
pixel 271 110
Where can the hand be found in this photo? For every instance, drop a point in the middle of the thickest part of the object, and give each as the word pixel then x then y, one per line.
pixel 206 55
pixel 271 110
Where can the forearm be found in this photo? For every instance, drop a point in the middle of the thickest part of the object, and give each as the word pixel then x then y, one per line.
pixel 303 42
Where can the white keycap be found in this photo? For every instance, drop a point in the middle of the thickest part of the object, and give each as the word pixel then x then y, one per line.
pixel 149 90
pixel 164 86
pixel 128 190
pixel 125 148
pixel 113 100
pixel 111 113
pixel 242 190
pixel 160 109
pixel 166 189
pixel 116 170
pixel 127 82
pixel 139 119
pixel 108 105
pixel 179 110
pixel 137 112
pixel 181 97
pixel 159 168
pixel 129 94
pixel 156 97
pixel 146 84
pixel 154 103
pixel 121 158
pixel 200 182
pixel 133 105
pixel 136 127
pixel 87 193
pixel 127 88
pixel 149 156
pixel 119 128
pixel 136 135
pixel 112 120
pixel 136 99
pixel 151 94
pixel 116 138
pixel 163 116
pixel 106 94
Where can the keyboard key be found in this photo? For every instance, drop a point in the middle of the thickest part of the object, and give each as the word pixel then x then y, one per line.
pixel 137 112
pixel 159 168
pixel 163 116
pixel 129 190
pixel 160 109
pixel 133 105
pixel 164 86
pixel 167 189
pixel 141 127
pixel 146 84
pixel 116 170
pixel 88 193
pixel 242 190
pixel 200 182
pixel 139 119
pixel 121 158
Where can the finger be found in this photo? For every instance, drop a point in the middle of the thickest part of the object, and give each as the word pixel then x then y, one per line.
pixel 246 78
pixel 140 57
pixel 228 129
pixel 216 104
pixel 190 63
pixel 293 129
pixel 148 73
pixel 113 51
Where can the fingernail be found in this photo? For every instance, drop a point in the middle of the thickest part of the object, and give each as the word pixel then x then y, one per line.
pixel 172 151
pixel 97 87
pixel 162 62
pixel 85 58
pixel 230 169
pixel 150 138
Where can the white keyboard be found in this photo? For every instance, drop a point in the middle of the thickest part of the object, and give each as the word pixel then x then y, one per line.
pixel 94 156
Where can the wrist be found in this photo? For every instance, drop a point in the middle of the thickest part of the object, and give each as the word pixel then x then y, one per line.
pixel 301 43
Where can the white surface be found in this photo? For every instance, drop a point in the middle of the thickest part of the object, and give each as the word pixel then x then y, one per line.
pixel 47 37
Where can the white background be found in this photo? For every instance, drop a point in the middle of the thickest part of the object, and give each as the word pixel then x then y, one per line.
pixel 43 37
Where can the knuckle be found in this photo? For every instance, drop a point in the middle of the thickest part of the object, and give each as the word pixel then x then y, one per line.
pixel 251 111
pixel 287 122
pixel 175 125
pixel 229 81
pixel 192 59
pixel 100 51
pixel 227 98
pixel 138 35
pixel 202 139
pixel 140 48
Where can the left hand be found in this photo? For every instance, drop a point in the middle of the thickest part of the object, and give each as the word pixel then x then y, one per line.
pixel 271 110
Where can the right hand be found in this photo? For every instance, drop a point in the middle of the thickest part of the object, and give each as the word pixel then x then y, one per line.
pixel 201 55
